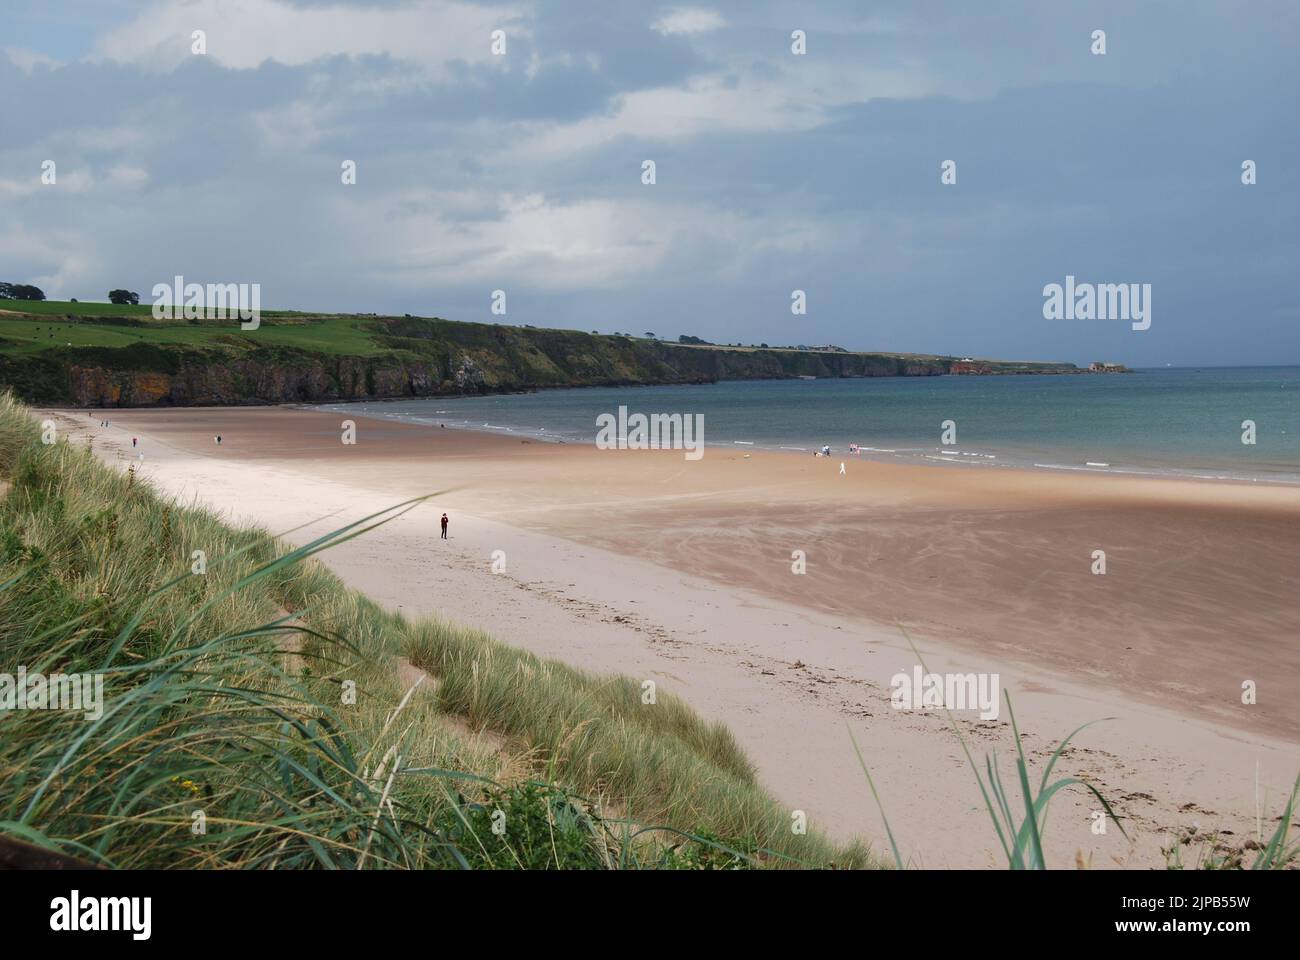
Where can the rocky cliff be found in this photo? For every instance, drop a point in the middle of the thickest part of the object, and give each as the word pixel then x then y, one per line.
pixel 414 357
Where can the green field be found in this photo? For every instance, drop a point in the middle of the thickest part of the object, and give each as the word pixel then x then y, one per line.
pixel 49 308
pixel 342 336
pixel 35 326
pixel 84 308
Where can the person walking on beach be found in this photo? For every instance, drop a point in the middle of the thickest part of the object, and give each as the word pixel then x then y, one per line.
pixel 444 526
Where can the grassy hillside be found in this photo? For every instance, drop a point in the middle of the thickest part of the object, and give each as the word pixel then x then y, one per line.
pixel 227 704
pixel 106 355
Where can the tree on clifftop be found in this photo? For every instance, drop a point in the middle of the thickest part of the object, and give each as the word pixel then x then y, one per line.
pixel 20 291
pixel 123 297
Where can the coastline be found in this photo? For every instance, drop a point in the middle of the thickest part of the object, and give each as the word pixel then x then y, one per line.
pixel 354 356
pixel 625 563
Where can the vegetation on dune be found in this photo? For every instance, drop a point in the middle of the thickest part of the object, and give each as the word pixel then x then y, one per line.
pixel 119 355
pixel 259 714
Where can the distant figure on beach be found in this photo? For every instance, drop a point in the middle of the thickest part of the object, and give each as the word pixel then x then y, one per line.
pixel 134 441
pixel 217 439
pixel 444 526
pixel 841 468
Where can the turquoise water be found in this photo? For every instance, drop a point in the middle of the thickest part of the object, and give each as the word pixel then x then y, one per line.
pixel 1173 421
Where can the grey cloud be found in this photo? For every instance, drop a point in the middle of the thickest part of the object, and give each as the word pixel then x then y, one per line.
pixel 1122 168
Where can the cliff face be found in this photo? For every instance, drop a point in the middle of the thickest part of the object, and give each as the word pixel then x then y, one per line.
pixel 257 381
pixel 252 381
pixel 412 357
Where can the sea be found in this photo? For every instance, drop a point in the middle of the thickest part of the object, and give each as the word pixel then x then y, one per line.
pixel 1184 422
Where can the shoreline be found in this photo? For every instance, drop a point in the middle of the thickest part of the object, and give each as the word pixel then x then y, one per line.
pixel 599 581
pixel 1213 469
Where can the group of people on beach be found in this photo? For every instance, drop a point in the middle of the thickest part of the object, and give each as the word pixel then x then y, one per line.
pixel 825 451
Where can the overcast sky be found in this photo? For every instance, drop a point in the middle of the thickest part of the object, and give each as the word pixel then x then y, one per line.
pixel 774 171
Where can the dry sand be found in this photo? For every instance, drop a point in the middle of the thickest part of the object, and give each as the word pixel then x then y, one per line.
pixel 646 564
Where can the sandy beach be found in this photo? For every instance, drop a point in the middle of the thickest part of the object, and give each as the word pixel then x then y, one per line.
pixel 643 563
